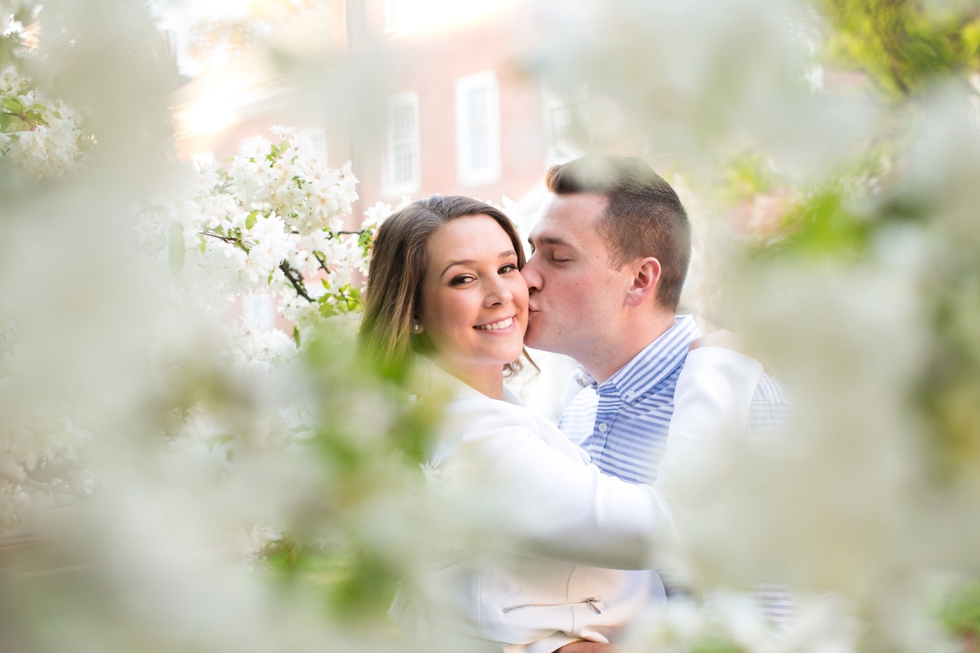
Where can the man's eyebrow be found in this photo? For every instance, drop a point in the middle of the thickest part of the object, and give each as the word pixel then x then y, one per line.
pixel 549 240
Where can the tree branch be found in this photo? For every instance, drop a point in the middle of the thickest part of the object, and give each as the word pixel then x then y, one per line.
pixel 296 279
pixel 227 239
pixel 323 262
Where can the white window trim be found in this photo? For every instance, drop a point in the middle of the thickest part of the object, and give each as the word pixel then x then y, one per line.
pixel 560 149
pixel 392 189
pixel 395 28
pixel 490 173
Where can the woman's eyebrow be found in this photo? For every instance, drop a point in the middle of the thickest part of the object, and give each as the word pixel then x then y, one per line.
pixel 505 254
pixel 466 262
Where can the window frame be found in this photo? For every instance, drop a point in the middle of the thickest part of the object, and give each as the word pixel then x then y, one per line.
pixel 466 174
pixel 391 187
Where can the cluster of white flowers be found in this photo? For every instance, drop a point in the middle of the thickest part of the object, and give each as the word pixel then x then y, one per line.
pixel 273 223
pixel 39 137
pixel 252 543
pixel 36 450
pixel 260 349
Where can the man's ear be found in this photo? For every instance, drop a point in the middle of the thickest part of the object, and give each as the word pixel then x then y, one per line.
pixel 646 278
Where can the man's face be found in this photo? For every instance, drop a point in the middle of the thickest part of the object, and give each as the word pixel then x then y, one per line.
pixel 576 298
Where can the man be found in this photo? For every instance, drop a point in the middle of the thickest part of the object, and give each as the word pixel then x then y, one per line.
pixel 609 257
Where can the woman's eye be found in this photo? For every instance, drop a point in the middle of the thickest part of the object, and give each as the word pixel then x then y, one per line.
pixel 510 267
pixel 460 280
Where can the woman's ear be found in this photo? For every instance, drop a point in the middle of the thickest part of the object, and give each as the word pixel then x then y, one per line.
pixel 646 278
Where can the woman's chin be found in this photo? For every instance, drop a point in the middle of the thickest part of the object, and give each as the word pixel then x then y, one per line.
pixel 504 355
pixel 513 354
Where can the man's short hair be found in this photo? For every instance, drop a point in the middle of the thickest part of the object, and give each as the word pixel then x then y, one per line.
pixel 643 217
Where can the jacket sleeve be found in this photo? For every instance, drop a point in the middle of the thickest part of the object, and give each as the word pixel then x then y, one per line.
pixel 714 395
pixel 558 508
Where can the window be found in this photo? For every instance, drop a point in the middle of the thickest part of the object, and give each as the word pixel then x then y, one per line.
pixel 477 129
pixel 399 17
pixel 566 121
pixel 402 170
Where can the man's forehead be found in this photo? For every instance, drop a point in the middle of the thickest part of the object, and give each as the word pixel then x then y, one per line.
pixel 568 217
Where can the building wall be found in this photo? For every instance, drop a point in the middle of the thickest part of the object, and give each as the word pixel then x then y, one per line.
pixel 428 63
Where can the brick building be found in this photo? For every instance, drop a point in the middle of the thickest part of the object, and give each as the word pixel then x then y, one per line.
pixel 458 116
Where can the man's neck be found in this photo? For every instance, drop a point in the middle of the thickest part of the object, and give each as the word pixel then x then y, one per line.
pixel 606 359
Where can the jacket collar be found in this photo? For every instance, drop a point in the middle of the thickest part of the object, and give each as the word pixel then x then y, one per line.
pixel 430 380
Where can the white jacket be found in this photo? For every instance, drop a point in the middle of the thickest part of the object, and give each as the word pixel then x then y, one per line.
pixel 558 534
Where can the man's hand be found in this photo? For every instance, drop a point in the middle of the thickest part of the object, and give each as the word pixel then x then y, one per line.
pixel 720 338
pixel 582 646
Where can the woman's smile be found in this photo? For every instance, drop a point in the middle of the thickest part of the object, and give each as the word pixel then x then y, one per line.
pixel 504 325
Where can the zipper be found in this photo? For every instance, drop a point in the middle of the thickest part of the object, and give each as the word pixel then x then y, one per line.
pixel 592 602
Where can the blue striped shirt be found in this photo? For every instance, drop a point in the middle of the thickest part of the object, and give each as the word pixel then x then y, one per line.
pixel 622 423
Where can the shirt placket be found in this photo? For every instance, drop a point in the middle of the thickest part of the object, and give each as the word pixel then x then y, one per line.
pixel 605 419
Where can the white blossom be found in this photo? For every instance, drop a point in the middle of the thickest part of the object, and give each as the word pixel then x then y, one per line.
pixel 40 137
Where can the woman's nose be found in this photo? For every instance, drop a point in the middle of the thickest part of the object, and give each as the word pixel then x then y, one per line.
pixel 497 292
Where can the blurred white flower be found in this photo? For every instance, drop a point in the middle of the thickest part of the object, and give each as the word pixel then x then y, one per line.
pixel 252 543
pixel 41 137
pixel 430 471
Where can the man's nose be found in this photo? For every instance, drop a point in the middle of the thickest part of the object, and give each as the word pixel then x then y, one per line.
pixel 531 275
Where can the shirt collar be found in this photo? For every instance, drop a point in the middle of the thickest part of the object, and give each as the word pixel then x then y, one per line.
pixel 653 364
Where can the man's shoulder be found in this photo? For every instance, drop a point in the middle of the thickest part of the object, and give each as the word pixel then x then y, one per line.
pixel 769 390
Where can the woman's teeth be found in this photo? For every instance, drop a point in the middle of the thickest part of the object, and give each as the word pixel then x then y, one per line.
pixel 496 326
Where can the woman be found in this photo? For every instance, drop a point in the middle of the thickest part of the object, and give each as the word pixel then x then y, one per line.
pixel 445 294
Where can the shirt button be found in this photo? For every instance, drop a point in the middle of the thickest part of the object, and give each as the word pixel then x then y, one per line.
pixel 630 394
pixel 602 427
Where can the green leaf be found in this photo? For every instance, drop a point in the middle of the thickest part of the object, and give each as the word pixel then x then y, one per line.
pixel 202 244
pixel 176 248
pixel 961 614
pixel 34 116
pixel 13 104
pixel 251 219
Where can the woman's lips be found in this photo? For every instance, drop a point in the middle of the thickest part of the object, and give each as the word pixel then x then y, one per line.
pixel 499 325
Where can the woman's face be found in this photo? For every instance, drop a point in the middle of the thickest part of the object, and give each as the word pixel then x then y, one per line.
pixel 474 300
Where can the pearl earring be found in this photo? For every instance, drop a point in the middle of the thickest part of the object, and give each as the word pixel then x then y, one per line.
pixel 416 328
